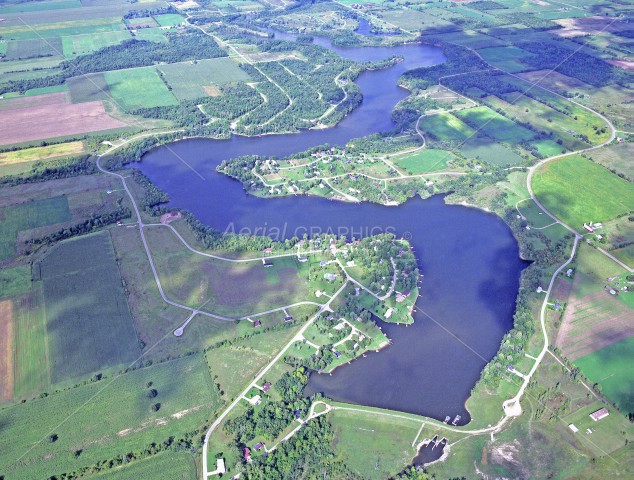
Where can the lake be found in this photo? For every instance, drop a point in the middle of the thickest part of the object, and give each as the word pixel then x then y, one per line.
pixel 469 258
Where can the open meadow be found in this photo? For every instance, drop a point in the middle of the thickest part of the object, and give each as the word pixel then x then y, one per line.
pixel 88 323
pixel 110 417
pixel 579 191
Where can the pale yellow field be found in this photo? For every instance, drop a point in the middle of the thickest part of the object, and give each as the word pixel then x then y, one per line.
pixel 41 153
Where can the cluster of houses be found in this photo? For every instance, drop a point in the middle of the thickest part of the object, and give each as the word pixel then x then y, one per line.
pixel 592 229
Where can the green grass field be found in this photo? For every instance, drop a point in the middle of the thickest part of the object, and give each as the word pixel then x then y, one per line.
pixel 169 19
pixel 24 216
pixel 61 29
pixel 105 419
pixel 234 366
pixel 36 47
pixel 138 88
pixel 164 466
pixel 15 280
pixel 39 6
pixel 578 190
pixel 490 152
pixel 505 57
pixel 82 44
pixel 31 352
pixel 88 88
pixel 547 148
pixel 445 126
pixel 188 79
pixel 424 161
pixel 226 288
pixel 375 446
pixel 88 322
pixel 494 125
pixel 611 368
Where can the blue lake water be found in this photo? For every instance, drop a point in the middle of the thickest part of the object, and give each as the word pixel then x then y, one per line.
pixel 469 258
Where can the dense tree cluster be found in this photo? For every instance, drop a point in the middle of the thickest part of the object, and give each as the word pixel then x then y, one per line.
pixel 270 417
pixel 53 169
pixel 87 226
pixel 585 67
pixel 308 455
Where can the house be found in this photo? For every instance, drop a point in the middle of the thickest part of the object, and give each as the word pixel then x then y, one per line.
pixel 573 428
pixel 268 250
pixel 302 259
pixel 323 263
pixel 588 228
pixel 330 276
pixel 255 400
pixel 599 414
pixel 266 387
pixel 257 323
pixel 337 354
pixel 258 446
pixel 298 414
pixel 288 319
pixel 569 272
pixel 246 454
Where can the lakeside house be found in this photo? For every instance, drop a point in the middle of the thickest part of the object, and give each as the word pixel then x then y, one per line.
pixel 268 250
pixel 599 414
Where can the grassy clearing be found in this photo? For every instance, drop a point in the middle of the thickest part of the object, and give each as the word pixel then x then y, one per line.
pixel 14 281
pixel 445 126
pixel 167 466
pixel 33 48
pixel 494 125
pixel 39 6
pixel 424 161
pixel 506 57
pixel 169 19
pixel 88 88
pixel 32 373
pixel 374 446
pixel 547 148
pixel 188 79
pixel 75 45
pixel 23 216
pixel 578 190
pixel 116 418
pixel 226 288
pixel 611 368
pixel 490 152
pixel 139 88
pixel 617 157
pixel 234 366
pixel 61 29
pixel 41 153
pixel 89 324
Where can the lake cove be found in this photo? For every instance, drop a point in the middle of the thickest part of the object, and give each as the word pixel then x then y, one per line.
pixel 469 258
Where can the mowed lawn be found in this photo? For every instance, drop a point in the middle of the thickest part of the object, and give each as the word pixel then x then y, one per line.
pixel 104 419
pixel 424 161
pixel 139 88
pixel 578 190
pixel 189 79
pixel 445 126
pixel 24 216
pixel 88 322
pixel 494 125
pixel 611 368
pixel 375 446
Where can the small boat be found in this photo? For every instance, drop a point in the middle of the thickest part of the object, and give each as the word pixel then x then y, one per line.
pixel 446 420
pixel 456 420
